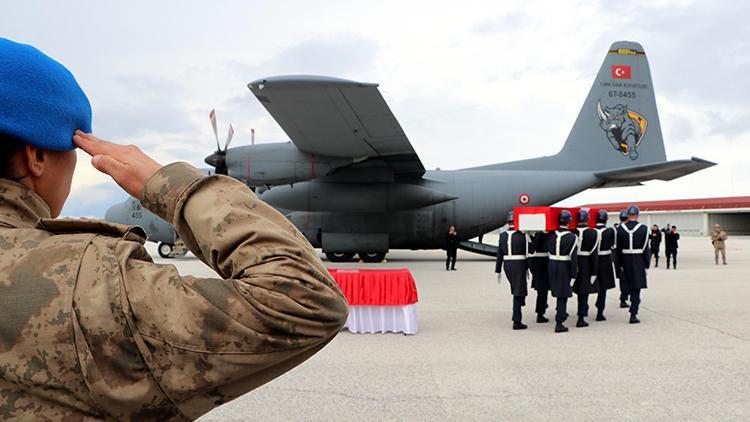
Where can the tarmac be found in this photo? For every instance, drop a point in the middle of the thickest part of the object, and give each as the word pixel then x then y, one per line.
pixel 688 360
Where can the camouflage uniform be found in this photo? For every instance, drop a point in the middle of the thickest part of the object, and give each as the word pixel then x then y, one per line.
pixel 718 237
pixel 90 327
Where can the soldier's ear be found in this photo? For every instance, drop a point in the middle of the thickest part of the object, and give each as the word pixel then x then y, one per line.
pixel 36 160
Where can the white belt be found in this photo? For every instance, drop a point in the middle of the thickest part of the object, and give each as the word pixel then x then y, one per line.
pixel 560 257
pixel 514 257
pixel 539 255
pixel 585 253
pixel 632 251
pixel 607 252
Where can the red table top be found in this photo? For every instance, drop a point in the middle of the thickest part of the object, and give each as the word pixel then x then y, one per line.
pixel 391 287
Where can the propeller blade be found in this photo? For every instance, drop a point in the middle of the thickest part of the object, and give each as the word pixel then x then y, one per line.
pixel 230 135
pixel 212 116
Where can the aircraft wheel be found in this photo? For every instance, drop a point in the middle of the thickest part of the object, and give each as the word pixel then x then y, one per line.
pixel 373 257
pixel 165 250
pixel 339 256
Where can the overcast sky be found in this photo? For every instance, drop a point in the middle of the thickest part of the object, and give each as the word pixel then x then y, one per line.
pixel 471 82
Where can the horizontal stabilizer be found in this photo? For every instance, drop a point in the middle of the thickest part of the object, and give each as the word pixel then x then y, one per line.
pixel 668 170
pixel 476 247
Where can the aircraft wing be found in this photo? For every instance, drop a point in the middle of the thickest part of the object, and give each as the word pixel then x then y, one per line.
pixel 338 118
pixel 668 170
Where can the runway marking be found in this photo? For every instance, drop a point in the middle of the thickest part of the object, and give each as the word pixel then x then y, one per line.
pixel 719 330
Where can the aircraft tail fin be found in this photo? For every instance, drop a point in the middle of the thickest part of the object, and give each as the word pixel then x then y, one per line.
pixel 618 125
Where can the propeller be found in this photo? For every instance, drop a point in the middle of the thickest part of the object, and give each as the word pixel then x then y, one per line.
pixel 218 159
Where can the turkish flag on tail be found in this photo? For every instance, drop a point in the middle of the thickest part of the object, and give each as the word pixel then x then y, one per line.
pixel 620 72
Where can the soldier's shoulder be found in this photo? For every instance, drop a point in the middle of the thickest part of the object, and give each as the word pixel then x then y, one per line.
pixel 83 226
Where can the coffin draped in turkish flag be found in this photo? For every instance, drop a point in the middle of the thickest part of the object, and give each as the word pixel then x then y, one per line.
pixel 546 218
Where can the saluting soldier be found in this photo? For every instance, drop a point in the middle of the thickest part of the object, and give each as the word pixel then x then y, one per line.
pixel 512 252
pixel 91 328
pixel 588 262
pixel 605 272
pixel 538 264
pixel 563 262
pixel 634 255
pixel 618 268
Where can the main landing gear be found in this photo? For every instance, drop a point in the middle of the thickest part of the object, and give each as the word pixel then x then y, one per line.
pixel 168 250
pixel 370 257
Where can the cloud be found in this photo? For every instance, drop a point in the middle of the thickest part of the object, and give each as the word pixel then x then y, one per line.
pixel 470 85
pixel 342 55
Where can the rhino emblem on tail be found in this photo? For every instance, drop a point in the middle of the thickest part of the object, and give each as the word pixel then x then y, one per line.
pixel 625 128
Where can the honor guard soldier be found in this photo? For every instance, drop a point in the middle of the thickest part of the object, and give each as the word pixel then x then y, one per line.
pixel 563 261
pixel 512 251
pixel 605 275
pixel 91 328
pixel 618 269
pixel 586 283
pixel 634 256
pixel 538 262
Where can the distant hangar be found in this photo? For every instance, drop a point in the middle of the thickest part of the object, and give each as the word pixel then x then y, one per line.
pixel 693 217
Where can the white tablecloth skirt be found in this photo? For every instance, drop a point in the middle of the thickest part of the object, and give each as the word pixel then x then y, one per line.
pixel 381 319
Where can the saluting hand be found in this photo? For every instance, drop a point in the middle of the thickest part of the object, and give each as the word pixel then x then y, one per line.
pixel 128 166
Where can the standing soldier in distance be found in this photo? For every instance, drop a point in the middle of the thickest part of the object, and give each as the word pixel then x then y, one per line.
pixel 618 270
pixel 605 271
pixel 538 264
pixel 451 239
pixel 512 252
pixel 588 262
pixel 634 256
pixel 562 267
pixel 718 237
pixel 655 239
pixel 671 244
pixel 91 328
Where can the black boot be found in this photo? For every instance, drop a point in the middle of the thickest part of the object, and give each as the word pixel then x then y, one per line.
pixel 518 325
pixel 600 316
pixel 581 322
pixel 624 304
pixel 634 319
pixel 560 328
pixel 541 319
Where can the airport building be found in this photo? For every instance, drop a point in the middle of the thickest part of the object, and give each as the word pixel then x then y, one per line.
pixel 693 217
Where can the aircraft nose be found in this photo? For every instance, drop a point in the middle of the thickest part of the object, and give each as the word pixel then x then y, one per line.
pixel 212 160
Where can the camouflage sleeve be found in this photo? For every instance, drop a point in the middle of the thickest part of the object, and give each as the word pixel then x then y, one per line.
pixel 208 341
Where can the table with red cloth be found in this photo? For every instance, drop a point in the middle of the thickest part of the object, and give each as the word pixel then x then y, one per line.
pixel 379 300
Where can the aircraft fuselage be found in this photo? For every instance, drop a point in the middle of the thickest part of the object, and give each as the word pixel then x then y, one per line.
pixel 417 215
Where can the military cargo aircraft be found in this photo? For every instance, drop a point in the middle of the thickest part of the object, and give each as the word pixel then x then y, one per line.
pixel 352 183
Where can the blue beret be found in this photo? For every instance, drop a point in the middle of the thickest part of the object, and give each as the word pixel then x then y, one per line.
pixel 41 103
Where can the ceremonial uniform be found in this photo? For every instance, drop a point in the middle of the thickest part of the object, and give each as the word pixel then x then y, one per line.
pixel 671 244
pixel 655 239
pixel 512 252
pixel 634 256
pixel 538 264
pixel 563 262
pixel 618 270
pixel 588 263
pixel 93 329
pixel 605 272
